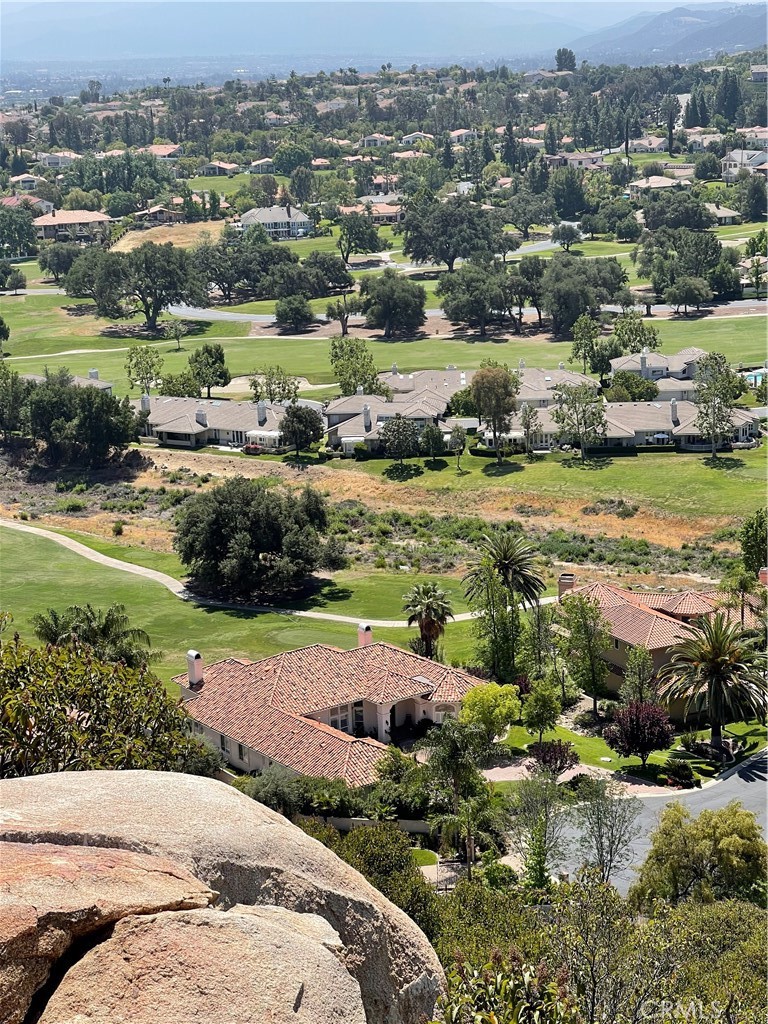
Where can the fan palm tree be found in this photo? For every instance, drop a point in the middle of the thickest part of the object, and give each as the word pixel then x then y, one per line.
pixel 737 587
pixel 514 559
pixel 478 819
pixel 108 633
pixel 429 608
pixel 718 670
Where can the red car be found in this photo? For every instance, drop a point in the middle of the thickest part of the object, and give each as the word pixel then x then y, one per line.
pixel 253 449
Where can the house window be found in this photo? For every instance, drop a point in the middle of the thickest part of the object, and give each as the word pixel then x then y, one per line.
pixel 339 717
pixel 240 752
pixel 223 743
pixel 615 644
pixel 357 716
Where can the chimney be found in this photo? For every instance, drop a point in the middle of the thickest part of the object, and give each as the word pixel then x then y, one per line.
pixel 561 366
pixel 394 369
pixel 201 417
pixel 673 411
pixel 364 635
pixel 359 389
pixel 763 576
pixel 643 364
pixel 194 669
pixel 565 582
pixel 145 403
pixel 521 364
pixel 261 412
pixel 367 417
pixel 93 375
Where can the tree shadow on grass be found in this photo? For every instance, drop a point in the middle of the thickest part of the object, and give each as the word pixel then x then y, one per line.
pixel 319 594
pixel 435 465
pixel 493 469
pixel 724 462
pixel 586 464
pixel 407 471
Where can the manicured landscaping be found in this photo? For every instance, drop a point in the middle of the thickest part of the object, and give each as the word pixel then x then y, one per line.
pixel 594 751
pixel 51 330
pixel 175 625
pixel 424 858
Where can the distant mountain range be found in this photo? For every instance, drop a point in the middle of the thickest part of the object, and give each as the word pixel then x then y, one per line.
pixel 326 33
pixel 681 35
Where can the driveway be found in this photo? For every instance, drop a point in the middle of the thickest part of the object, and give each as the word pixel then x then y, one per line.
pixel 746 783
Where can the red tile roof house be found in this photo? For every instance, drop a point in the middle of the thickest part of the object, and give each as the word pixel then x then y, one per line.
pixel 656 620
pixel 319 710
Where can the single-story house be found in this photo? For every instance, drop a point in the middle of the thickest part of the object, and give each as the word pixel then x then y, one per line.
pixel 278 221
pixel 27 182
pixel 462 135
pixel 380 213
pixel 218 168
pixel 655 183
pixel 318 710
pixel 319 163
pixel 648 144
pixel 383 184
pixel 264 166
pixel 57 161
pixel 163 151
pixel 80 225
pixel 653 365
pixel 758 72
pixel 37 206
pixel 656 620
pixel 536 385
pixel 531 142
pixel 197 422
pixel 586 160
pixel 408 140
pixel 375 141
pixel 722 214
pixel 757 137
pixel 753 161
pixel 357 419
pixel 91 381
pixel 407 154
pixel 674 387
pixel 632 424
pixel 159 215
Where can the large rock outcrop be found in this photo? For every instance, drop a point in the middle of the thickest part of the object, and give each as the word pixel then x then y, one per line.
pixel 51 896
pixel 247 853
pixel 246 965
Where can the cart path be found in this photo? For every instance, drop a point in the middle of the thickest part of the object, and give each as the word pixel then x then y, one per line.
pixel 177 588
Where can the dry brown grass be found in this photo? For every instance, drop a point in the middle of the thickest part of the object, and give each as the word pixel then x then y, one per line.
pixel 490 503
pixel 183 235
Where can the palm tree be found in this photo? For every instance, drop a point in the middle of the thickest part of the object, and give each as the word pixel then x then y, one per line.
pixel 455 752
pixel 717 670
pixel 429 608
pixel 478 819
pixel 514 559
pixel 108 633
pixel 737 586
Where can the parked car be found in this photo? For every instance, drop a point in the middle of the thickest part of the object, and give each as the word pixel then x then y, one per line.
pixel 253 449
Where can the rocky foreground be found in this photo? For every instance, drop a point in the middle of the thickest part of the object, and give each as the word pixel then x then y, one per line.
pixel 149 896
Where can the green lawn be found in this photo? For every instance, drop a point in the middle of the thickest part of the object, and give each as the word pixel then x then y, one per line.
pixel 173 625
pixel 226 186
pixel 682 484
pixel 377 595
pixel 424 858
pixel 592 750
pixel 46 324
pixel 744 230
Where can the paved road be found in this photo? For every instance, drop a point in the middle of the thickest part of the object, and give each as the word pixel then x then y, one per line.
pixel 746 783
pixel 179 590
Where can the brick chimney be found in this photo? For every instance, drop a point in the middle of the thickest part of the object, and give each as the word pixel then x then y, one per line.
pixel 565 582
pixel 364 635
pixel 763 576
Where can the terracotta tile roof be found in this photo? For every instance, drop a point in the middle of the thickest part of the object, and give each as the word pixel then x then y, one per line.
pixel 262 704
pixel 61 217
pixel 639 626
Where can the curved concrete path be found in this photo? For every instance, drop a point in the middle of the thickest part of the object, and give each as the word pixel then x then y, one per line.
pixel 177 588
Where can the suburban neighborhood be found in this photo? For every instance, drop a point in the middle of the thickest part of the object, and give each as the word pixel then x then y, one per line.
pixel 383 522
